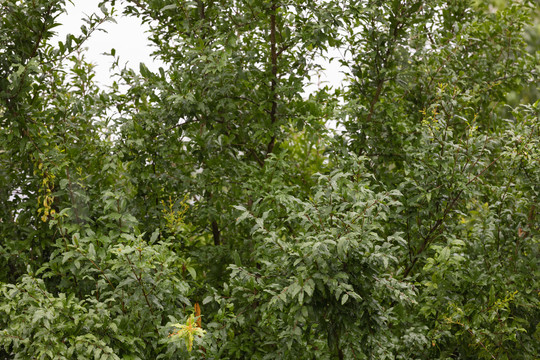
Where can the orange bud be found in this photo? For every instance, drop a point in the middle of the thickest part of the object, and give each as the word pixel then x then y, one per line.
pixel 198 314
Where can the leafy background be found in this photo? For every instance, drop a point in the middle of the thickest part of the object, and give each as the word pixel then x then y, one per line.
pixel 212 195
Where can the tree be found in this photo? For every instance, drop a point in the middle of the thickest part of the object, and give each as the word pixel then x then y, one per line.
pixel 209 202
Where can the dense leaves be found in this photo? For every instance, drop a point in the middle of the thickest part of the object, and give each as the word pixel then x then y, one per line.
pixel 206 209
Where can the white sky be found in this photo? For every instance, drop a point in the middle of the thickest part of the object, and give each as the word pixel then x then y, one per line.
pixel 127 37
pixel 131 43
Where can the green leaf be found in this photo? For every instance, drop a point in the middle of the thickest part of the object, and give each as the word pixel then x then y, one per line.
pixel 169 7
pixel 91 252
pixel 192 272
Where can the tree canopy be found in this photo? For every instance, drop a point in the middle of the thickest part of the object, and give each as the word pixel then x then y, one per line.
pixel 207 210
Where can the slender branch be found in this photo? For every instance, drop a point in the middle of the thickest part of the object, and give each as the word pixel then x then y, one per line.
pixel 216 233
pixel 273 84
pixel 104 275
pixel 375 99
pixel 432 232
pixel 139 280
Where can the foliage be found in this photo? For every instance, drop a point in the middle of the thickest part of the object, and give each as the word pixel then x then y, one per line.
pixel 410 232
pixel 187 332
